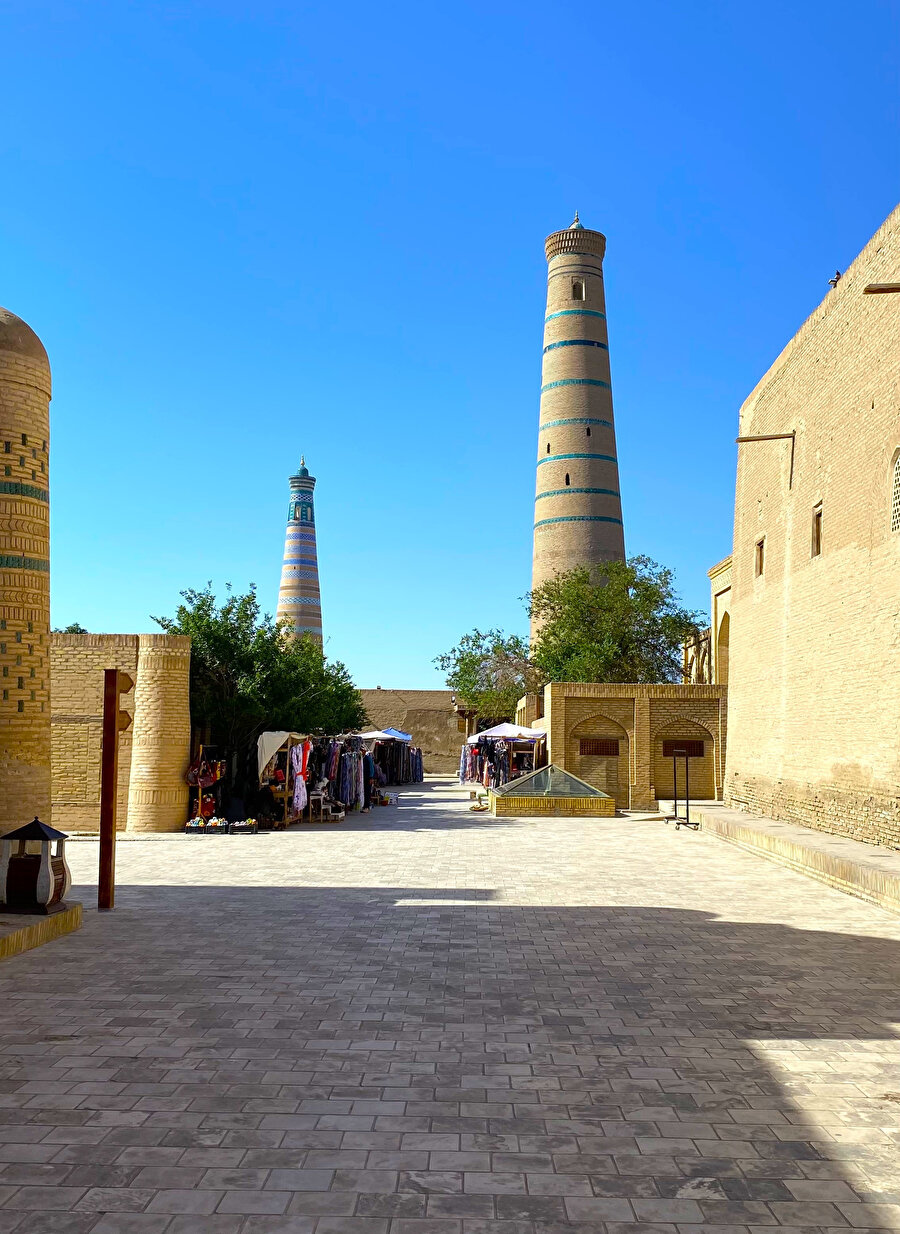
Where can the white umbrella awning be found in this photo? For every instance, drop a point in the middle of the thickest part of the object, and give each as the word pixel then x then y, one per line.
pixel 508 732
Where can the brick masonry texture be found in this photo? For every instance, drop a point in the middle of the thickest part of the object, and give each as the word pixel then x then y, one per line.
pixel 814 672
pixel 578 512
pixel 440 1023
pixel 640 718
pixel 153 751
pixel 24 575
pixel 429 715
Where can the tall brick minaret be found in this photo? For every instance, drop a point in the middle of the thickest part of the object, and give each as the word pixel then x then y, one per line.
pixel 578 511
pixel 299 602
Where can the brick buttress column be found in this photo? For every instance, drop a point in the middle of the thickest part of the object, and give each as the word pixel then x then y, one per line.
pixel 160 748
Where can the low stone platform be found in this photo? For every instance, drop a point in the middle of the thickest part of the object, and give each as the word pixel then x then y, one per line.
pixel 864 870
pixel 20 933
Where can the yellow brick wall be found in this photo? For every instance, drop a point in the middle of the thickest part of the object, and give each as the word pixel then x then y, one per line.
pixel 814 673
pixel 77 662
pixel 641 716
pixel 24 578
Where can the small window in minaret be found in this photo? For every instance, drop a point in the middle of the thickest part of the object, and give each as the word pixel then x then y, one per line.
pixel 577 289
pixel 548 447
pixel 567 480
pixel 588 432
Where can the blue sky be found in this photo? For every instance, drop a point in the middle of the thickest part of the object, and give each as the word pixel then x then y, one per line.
pixel 246 231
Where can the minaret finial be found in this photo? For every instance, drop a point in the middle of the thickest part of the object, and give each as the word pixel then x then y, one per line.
pixel 576 224
pixel 302 460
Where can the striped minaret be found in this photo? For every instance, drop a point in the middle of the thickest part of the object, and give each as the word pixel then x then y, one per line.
pixel 578 511
pixel 299 603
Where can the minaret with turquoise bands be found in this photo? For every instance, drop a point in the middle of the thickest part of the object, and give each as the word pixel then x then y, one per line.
pixel 299 602
pixel 578 510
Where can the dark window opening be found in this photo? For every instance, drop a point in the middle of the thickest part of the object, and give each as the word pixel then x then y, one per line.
pixel 588 432
pixel 577 289
pixel 760 557
pixel 607 747
pixel 693 749
pixel 548 447
pixel 816 546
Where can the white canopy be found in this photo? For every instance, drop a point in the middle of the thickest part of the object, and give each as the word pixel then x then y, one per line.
pixel 508 732
pixel 268 743
pixel 384 735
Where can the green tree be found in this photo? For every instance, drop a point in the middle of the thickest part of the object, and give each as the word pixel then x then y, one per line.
pixel 246 676
pixel 73 628
pixel 489 673
pixel 628 626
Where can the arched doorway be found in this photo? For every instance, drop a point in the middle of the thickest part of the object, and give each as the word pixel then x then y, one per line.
pixel 701 747
pixel 722 651
pixel 597 751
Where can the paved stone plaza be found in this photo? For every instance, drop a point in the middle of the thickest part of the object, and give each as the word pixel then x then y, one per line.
pixel 435 1022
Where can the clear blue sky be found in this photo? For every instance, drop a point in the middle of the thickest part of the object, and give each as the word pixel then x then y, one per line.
pixel 246 231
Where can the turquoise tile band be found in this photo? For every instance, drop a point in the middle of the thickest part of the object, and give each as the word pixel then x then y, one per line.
pixel 562 492
pixel 576 420
pixel 552 458
pixel 574 342
pixel 575 381
pixel 578 518
pixel 575 313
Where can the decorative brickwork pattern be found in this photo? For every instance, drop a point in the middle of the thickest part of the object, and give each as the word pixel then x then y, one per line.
pixel 299 601
pixel 24 575
pixel 578 518
pixel 640 717
pixel 814 670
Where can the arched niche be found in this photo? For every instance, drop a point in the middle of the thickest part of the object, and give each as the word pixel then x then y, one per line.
pixel 597 751
pixel 702 767
pixel 722 650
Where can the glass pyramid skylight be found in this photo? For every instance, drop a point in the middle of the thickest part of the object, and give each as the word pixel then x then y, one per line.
pixel 549 781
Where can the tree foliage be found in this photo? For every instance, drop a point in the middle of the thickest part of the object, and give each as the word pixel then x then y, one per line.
pixel 627 627
pixel 74 627
pixel 489 672
pixel 246 676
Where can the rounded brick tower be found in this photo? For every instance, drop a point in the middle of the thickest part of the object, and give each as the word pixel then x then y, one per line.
pixel 578 511
pixel 24 575
pixel 161 742
pixel 299 602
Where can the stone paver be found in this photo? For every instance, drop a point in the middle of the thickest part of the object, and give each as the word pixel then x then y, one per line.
pixel 434 1022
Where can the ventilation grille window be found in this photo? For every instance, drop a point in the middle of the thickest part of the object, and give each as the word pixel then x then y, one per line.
pixel 895 498
pixel 604 746
pixel 693 749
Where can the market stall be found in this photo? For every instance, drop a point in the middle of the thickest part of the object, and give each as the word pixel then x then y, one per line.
pixel 397 760
pixel 500 754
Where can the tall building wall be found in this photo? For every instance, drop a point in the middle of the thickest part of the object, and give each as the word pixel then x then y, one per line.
pixel 814 669
pixel 153 751
pixel 24 575
pixel 578 509
pixel 299 599
pixel 429 715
